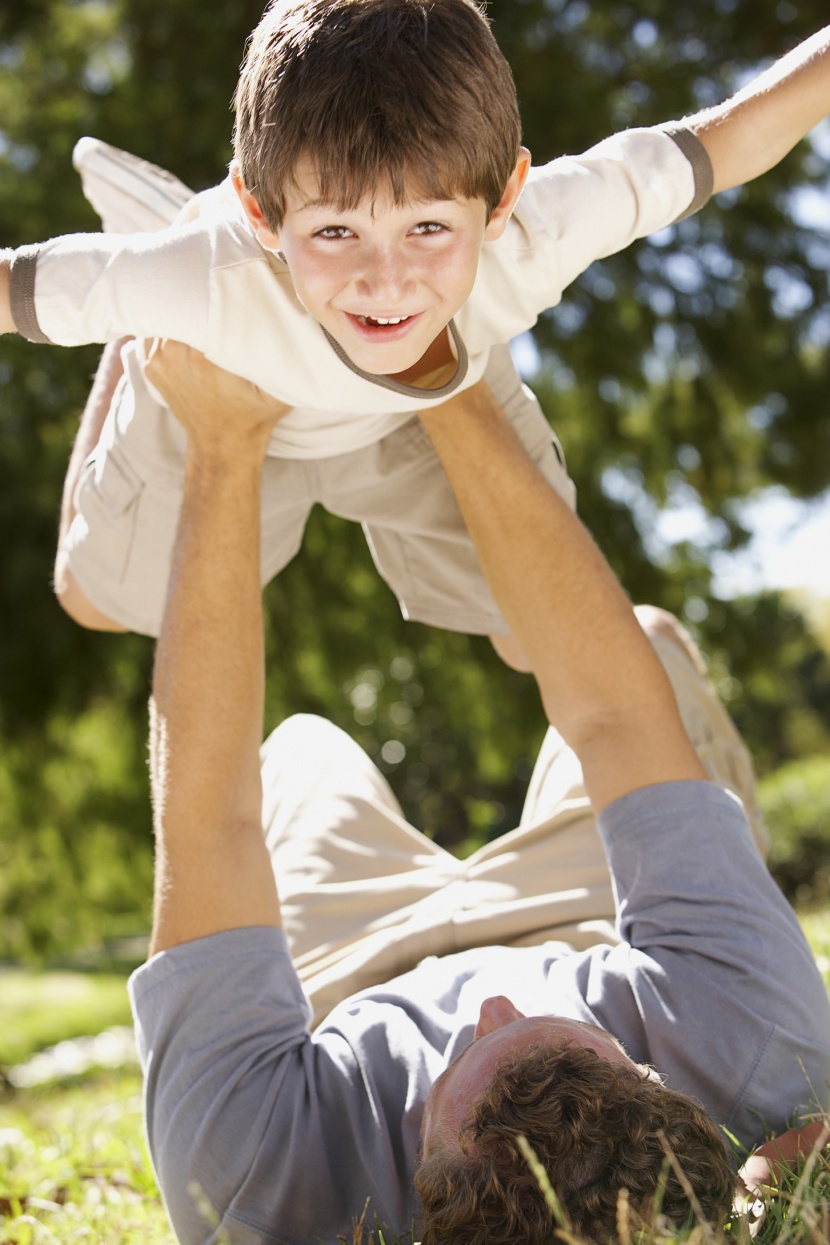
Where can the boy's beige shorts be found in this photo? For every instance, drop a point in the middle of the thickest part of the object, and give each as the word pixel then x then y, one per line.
pixel 365 896
pixel 129 495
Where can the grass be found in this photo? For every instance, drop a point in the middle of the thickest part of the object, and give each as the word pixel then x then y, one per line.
pixel 74 1166
pixel 40 1009
pixel 816 926
pixel 797 1214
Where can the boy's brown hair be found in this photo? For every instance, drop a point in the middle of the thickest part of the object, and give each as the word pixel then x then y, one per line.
pixel 598 1128
pixel 409 96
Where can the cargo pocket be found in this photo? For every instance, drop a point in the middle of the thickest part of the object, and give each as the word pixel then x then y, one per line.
pixel 108 496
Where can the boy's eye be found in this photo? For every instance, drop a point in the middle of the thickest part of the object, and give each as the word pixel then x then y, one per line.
pixel 429 227
pixel 333 231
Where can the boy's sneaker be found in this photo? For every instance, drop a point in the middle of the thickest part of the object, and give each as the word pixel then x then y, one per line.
pixel 129 194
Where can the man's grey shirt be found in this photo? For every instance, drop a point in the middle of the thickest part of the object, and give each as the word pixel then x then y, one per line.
pixel 284 1134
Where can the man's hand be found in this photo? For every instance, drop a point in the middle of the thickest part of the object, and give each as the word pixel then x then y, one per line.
pixel 764 1172
pixel 221 412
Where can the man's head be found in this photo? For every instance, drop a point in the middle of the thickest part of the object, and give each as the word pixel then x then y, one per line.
pixel 377 147
pixel 598 1122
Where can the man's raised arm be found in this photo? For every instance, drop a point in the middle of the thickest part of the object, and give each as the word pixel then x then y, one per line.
pixel 601 684
pixel 212 868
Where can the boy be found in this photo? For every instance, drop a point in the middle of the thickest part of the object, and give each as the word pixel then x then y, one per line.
pixel 378 243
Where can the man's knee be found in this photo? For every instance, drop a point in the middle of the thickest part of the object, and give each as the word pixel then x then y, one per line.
pixel 302 730
pixel 302 742
pixel 657 621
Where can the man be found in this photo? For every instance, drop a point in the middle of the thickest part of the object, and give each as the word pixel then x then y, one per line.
pixel 275 1134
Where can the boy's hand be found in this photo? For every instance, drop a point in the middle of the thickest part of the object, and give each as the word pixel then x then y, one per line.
pixel 221 412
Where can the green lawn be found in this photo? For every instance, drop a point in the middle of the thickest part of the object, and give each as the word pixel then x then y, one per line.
pixel 816 926
pixel 39 1009
pixel 73 1166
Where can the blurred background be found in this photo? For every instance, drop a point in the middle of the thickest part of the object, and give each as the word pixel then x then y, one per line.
pixel 687 380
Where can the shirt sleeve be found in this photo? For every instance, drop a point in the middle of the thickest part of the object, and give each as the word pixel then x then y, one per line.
pixel 578 209
pixel 729 1002
pixel 247 1114
pixel 96 287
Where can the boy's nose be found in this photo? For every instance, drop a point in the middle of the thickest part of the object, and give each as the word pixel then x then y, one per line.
pixel 386 278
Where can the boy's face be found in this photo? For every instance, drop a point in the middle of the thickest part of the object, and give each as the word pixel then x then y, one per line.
pixel 383 279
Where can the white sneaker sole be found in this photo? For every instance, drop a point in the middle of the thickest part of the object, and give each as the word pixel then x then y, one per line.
pixel 128 193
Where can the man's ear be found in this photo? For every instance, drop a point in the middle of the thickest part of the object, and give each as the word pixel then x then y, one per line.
pixel 502 212
pixel 253 211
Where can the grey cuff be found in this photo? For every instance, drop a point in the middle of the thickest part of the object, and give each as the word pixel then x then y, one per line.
pixel 22 293
pixel 698 157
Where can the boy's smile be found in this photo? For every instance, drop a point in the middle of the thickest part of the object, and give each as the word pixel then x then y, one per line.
pixel 383 279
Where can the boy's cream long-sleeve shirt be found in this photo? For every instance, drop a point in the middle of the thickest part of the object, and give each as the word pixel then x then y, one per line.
pixel 209 283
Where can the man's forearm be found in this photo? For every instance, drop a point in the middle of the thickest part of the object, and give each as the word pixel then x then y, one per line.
pixel 206 720
pixel 752 131
pixel 213 870
pixel 597 673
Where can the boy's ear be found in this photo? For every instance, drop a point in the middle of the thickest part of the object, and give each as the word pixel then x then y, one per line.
pixel 253 211
pixel 501 214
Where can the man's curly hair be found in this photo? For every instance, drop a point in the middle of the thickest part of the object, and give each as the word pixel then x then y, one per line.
pixel 597 1128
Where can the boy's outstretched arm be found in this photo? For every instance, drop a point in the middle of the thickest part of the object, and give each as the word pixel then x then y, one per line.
pixel 601 683
pixel 752 131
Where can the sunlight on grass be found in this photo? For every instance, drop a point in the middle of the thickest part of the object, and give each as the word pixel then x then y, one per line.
pixel 39 1009
pixel 816 926
pixel 73 1166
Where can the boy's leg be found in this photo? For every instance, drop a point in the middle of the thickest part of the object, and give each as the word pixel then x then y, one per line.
pixel 128 193
pixel 118 546
pixel 123 488
pixel 416 534
pixel 71 596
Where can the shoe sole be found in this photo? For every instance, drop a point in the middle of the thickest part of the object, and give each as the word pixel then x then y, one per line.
pixel 128 193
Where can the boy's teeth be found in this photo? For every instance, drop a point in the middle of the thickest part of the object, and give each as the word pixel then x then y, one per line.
pixel 383 319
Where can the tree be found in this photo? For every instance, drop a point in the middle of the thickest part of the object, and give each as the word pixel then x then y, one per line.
pixel 694 361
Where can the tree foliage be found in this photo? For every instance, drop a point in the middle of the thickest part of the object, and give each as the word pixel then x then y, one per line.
pixel 694 366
